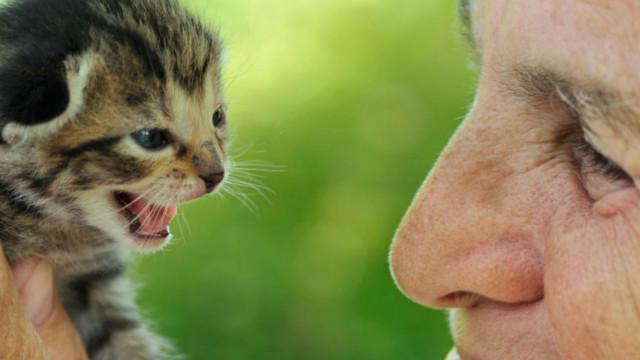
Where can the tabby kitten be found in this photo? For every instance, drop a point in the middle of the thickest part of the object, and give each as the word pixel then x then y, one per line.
pixel 111 114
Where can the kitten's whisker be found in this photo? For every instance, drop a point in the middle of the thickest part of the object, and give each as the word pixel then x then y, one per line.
pixel 259 163
pixel 179 213
pixel 259 168
pixel 186 219
pixel 179 209
pixel 229 190
pixel 138 198
pixel 257 186
pixel 246 175
pixel 260 190
pixel 242 151
pixel 179 222
pixel 243 198
pixel 154 209
pixel 144 209
pixel 220 194
pixel 247 180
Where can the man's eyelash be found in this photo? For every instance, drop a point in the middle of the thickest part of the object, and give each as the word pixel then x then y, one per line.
pixel 591 160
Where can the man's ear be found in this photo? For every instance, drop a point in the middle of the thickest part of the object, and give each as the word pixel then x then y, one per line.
pixel 33 91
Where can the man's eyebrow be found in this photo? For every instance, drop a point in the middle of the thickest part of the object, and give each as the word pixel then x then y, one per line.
pixel 585 102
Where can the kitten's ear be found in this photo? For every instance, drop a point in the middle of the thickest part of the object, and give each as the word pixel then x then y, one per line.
pixel 33 91
pixel 38 97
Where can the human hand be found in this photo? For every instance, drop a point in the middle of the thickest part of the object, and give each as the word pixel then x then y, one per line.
pixel 453 355
pixel 33 323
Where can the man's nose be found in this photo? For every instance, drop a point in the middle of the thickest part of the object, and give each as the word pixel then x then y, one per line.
pixel 465 236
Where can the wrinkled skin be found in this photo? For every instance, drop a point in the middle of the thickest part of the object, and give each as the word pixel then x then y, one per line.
pixel 536 254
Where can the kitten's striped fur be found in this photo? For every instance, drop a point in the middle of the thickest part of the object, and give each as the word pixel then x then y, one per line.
pixel 77 78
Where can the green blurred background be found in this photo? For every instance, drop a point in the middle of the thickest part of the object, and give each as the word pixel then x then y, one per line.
pixel 350 101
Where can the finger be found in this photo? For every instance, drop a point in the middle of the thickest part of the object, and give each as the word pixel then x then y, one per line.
pixel 36 285
pixel 18 339
pixel 453 355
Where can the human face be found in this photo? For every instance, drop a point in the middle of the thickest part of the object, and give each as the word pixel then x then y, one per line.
pixel 528 227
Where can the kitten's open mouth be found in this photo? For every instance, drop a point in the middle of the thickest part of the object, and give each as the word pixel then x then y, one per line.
pixel 147 221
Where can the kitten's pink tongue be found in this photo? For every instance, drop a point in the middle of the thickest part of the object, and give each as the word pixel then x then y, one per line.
pixel 153 218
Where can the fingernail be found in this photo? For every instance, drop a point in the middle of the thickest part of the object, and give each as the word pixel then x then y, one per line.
pixel 37 293
pixel 453 355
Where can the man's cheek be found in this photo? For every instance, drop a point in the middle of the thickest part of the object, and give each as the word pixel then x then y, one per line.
pixel 592 290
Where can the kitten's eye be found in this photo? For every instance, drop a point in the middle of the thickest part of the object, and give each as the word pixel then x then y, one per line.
pixel 219 117
pixel 151 139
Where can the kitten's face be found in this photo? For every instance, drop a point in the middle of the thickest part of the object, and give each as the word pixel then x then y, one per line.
pixel 111 114
pixel 125 152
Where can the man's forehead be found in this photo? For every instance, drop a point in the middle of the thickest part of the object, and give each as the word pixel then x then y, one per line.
pixel 568 35
pixel 590 46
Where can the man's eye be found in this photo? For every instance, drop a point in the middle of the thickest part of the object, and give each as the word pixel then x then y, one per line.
pixel 591 161
pixel 152 139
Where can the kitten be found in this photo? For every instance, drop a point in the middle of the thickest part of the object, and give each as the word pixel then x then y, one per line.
pixel 111 114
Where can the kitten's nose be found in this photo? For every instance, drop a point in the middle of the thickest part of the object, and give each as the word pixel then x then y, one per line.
pixel 212 180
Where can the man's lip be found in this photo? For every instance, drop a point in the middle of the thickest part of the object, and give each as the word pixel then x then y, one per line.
pixel 470 300
pixel 482 325
pixel 484 303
